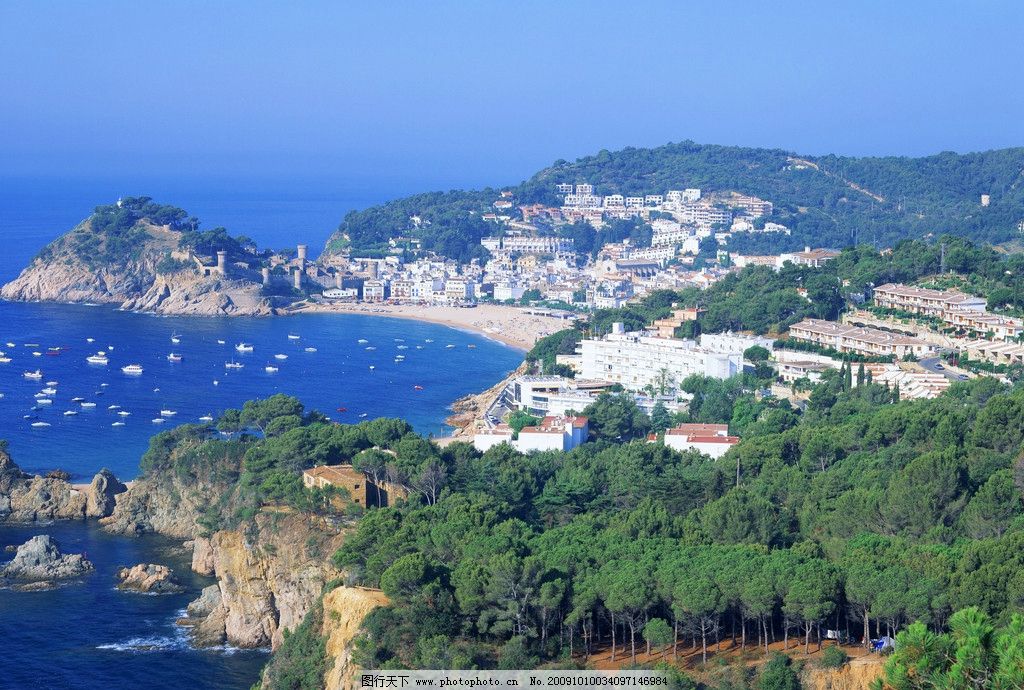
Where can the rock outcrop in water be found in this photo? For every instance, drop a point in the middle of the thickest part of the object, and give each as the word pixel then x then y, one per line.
pixel 122 256
pixel 149 578
pixel 28 498
pixel 40 559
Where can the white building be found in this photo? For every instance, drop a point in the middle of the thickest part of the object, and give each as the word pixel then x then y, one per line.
pixel 636 360
pixel 735 343
pixel 552 433
pixel 711 439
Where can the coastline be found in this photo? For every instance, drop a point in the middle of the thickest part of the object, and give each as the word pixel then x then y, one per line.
pixel 508 325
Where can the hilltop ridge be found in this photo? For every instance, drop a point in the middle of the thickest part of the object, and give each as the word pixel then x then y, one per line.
pixel 830 200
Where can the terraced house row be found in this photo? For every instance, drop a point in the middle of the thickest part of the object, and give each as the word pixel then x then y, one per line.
pixel 956 309
pixel 864 341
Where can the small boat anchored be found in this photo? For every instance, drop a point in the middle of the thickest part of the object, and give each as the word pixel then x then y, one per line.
pixel 232 365
pixel 244 347
pixel 270 369
pixel 173 357
pixel 34 375
pixel 132 370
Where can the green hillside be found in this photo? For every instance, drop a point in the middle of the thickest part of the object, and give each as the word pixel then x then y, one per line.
pixel 826 201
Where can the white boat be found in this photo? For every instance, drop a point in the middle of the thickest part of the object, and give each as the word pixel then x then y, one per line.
pixel 31 345
pixel 233 365
pixel 70 413
pixel 310 349
pixel 51 384
pixel 10 344
pixel 174 357
pixel 399 340
pixel 365 414
pixel 175 338
pixel 124 413
pixel 449 347
pixel 403 347
pixel 117 424
pixel 292 336
pixel 167 413
pixel 104 385
pixel 5 360
pixel 156 390
pixel 216 382
pixel 372 367
pixel 219 341
pixel 90 340
pixel 113 407
pixel 244 347
pixel 77 399
pixel 97 359
pixel 132 369
pixel 159 420
pixel 362 341
pixel 281 357
pixel 44 401
pixel 49 390
pixel 88 405
pixel 270 369
pixel 429 340
pixel 371 347
pixel 40 425
pixel 419 347
pixel 37 353
pixel 41 395
pixel 35 375
pixel 206 418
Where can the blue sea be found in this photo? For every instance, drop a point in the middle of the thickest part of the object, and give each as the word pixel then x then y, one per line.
pixel 86 634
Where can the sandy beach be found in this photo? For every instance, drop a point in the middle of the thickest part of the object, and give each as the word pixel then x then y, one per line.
pixel 509 325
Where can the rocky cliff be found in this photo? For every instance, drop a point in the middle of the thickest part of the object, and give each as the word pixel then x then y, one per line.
pixel 856 675
pixel 27 498
pixel 344 611
pixel 140 277
pixel 269 575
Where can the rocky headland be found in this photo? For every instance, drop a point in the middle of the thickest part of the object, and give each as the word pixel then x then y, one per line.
pixel 137 256
pixel 30 498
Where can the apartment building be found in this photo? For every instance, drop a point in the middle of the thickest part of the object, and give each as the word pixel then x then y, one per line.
pixel 704 215
pixel 956 309
pixel 864 341
pixel 525 244
pixel 637 360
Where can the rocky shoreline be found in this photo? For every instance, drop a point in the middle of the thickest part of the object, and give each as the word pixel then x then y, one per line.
pixel 270 571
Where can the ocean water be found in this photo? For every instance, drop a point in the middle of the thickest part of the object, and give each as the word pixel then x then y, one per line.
pixel 87 634
pixel 444 363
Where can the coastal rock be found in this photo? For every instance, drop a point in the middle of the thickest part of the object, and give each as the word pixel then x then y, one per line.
pixel 269 577
pixel 202 556
pixel 27 498
pixel 40 559
pixel 207 601
pixel 149 578
pixel 101 496
pixel 206 617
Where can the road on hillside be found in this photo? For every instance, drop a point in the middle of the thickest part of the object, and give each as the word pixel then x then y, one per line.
pixel 933 365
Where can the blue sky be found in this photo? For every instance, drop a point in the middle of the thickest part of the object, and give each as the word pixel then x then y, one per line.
pixel 455 93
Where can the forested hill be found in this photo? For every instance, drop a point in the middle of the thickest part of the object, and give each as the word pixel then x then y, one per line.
pixel 826 201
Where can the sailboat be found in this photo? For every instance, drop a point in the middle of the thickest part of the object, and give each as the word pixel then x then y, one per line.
pixel 244 347
pixel 175 338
